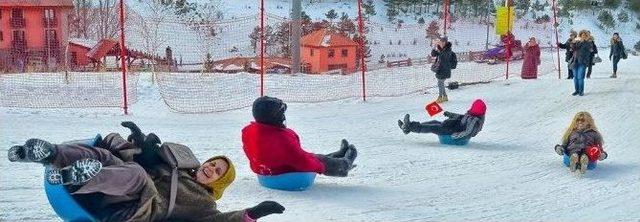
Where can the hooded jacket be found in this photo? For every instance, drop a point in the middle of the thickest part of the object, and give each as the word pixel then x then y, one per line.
pixel 274 150
pixel 444 60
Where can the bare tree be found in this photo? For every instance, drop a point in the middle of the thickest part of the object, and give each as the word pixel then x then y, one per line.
pixel 107 14
pixel 151 27
pixel 81 19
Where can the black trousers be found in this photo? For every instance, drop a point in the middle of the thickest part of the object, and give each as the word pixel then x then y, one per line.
pixel 446 127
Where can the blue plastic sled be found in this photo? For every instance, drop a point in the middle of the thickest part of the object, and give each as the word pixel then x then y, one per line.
pixel 61 201
pixel 592 164
pixel 446 139
pixel 297 181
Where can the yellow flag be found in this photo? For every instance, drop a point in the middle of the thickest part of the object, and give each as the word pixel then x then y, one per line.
pixel 504 24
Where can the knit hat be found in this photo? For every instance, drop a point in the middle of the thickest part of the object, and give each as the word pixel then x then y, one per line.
pixel 478 108
pixel 269 110
pixel 225 180
pixel 444 38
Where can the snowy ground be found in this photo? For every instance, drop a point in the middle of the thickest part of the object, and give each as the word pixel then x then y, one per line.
pixel 508 173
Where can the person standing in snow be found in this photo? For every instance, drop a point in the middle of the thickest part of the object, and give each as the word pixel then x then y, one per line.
pixel 593 54
pixel 582 51
pixel 531 59
pixel 580 136
pixel 568 56
pixel 617 52
pixel 459 126
pixel 274 149
pixel 445 61
pixel 108 181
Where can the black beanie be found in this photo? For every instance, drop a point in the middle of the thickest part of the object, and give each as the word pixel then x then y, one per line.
pixel 269 110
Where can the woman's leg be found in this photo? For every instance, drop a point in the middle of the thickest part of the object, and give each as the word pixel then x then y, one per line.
pixel 66 154
pixel 441 89
pixel 615 66
pixel 579 78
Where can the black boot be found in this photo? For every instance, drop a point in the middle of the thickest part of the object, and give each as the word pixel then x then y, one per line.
pixel 344 146
pixel 34 150
pixel 405 125
pixel 78 173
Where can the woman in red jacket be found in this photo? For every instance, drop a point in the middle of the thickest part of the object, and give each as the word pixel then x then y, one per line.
pixel 274 149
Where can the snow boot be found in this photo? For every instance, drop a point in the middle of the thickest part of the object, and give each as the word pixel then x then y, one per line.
pixel 584 161
pixel 34 150
pixel 351 154
pixel 405 126
pixel 344 146
pixel 78 173
pixel 573 162
pixel 559 149
pixel 439 99
pixel 445 98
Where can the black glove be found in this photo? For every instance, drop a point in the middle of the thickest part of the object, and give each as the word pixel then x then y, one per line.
pixel 449 114
pixel 136 137
pixel 265 208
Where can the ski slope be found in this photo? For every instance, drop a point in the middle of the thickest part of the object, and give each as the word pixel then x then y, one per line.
pixel 509 172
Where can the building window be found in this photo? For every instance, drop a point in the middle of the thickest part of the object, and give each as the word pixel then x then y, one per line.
pixel 18 35
pixel 48 14
pixel 1 37
pixel 16 13
pixel 51 36
pixel 337 66
pixel 311 52
pixel 332 53
pixel 345 53
pixel 0 13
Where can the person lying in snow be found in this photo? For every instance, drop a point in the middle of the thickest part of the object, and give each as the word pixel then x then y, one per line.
pixel 274 149
pixel 108 183
pixel 457 125
pixel 580 136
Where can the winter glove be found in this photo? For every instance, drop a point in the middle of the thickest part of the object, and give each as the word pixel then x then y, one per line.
pixel 559 149
pixel 150 148
pixel 603 156
pixel 265 208
pixel 136 137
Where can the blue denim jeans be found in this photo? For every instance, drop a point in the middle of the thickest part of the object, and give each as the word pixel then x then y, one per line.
pixel 578 78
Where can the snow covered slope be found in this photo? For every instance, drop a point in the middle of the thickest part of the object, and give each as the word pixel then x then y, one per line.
pixel 508 173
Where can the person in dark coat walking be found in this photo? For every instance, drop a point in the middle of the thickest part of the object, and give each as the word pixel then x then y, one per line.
pixel 617 52
pixel 459 126
pixel 568 56
pixel 531 60
pixel 593 54
pixel 445 61
pixel 112 186
pixel 582 51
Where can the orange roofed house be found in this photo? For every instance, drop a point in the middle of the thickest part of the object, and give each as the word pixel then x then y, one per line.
pixel 325 50
pixel 33 32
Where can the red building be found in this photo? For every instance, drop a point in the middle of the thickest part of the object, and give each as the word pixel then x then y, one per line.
pixel 325 50
pixel 33 33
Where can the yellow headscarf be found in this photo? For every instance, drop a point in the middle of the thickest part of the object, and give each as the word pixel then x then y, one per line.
pixel 223 182
pixel 590 125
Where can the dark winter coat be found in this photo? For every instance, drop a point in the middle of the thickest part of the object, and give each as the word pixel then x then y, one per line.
pixel 274 150
pixel 581 140
pixel 582 53
pixel 445 60
pixel 568 55
pixel 617 49
pixel 472 125
pixel 531 62
pixel 194 201
pixel 595 51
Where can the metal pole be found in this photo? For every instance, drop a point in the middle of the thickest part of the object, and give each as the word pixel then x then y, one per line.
pixel 262 43
pixel 486 43
pixel 122 58
pixel 363 66
pixel 508 36
pixel 296 33
pixel 446 16
pixel 555 25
